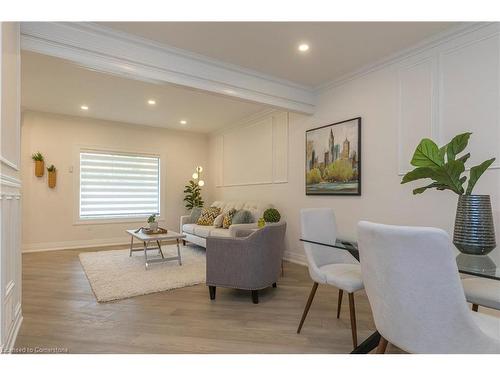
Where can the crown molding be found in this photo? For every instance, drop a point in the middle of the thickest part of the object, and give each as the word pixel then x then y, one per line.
pixel 427 44
pixel 99 48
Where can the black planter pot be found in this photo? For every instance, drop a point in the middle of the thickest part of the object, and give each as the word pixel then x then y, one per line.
pixel 474 229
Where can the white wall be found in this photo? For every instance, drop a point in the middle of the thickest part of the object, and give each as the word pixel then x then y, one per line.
pixel 49 214
pixel 438 92
pixel 10 198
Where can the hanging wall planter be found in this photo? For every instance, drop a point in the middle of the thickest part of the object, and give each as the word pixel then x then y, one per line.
pixel 39 164
pixel 52 176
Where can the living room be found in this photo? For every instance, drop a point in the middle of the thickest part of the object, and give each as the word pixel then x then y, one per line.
pixel 207 188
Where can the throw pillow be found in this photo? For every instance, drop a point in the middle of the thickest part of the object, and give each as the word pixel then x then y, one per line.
pixel 208 216
pixel 218 221
pixel 228 218
pixel 195 214
pixel 243 217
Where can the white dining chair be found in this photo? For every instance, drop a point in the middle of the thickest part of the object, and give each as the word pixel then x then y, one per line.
pixel 328 265
pixel 418 303
pixel 482 292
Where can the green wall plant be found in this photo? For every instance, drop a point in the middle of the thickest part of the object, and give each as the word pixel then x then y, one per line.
pixel 444 167
pixel 37 156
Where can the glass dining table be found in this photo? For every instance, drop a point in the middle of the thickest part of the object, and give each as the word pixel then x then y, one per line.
pixel 487 266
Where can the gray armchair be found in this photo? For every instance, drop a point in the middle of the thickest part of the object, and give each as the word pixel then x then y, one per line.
pixel 250 263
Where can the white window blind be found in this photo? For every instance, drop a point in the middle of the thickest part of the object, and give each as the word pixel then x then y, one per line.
pixel 118 185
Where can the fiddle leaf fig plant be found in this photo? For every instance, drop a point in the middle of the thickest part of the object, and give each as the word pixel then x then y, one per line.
pixel 192 195
pixel 441 165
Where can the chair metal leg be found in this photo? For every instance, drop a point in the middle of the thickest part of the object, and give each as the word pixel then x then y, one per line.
pixel 308 305
pixel 131 245
pixel 353 320
pixel 382 345
pixel 341 293
pixel 282 268
pixel 475 307
pixel 255 296
pixel 211 290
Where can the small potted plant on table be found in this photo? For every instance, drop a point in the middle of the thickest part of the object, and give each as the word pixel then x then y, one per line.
pixel 153 224
pixel 474 231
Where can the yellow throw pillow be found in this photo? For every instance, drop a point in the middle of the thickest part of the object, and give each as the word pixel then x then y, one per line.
pixel 228 218
pixel 208 216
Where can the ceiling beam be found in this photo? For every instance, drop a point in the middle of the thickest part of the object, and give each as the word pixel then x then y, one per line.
pixel 105 50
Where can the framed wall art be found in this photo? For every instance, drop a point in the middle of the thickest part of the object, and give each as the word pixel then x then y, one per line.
pixel 333 159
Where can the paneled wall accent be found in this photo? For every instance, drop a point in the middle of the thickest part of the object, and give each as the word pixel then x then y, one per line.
pixel 10 209
pixel 417 107
pixel 253 154
pixel 450 89
pixel 10 187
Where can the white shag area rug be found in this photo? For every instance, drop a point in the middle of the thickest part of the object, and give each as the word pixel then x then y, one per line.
pixel 114 275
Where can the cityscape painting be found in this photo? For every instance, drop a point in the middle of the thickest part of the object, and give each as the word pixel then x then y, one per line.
pixel 333 159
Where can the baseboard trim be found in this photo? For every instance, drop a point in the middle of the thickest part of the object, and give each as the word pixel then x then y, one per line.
pixel 72 245
pixel 11 341
pixel 295 257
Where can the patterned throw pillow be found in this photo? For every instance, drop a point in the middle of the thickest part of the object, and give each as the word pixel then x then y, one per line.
pixel 208 216
pixel 228 218
pixel 243 217
pixel 218 221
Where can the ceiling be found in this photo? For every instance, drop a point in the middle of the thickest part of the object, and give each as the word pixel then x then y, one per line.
pixel 336 48
pixel 54 85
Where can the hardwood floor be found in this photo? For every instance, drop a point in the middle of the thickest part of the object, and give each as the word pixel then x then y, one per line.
pixel 60 311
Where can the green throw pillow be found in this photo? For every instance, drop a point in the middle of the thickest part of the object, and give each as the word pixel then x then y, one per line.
pixel 195 214
pixel 243 217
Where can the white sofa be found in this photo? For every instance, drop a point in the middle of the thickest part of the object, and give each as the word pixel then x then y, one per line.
pixel 197 234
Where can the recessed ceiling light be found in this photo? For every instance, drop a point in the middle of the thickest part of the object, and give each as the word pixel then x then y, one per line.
pixel 151 102
pixel 84 107
pixel 183 122
pixel 304 47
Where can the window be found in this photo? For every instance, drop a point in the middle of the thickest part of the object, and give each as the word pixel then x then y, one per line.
pixel 116 185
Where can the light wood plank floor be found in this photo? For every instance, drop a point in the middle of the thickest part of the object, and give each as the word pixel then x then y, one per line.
pixel 60 311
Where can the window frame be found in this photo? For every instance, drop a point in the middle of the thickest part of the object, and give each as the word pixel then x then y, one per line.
pixel 75 169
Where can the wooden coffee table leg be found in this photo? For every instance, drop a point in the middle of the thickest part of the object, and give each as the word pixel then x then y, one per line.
pixel 179 252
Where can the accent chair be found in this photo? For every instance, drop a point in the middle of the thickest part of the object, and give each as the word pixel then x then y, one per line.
pixel 251 260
